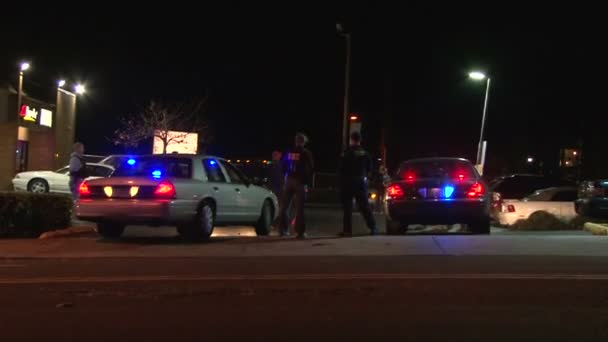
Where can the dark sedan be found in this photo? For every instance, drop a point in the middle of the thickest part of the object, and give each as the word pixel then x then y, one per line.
pixel 437 191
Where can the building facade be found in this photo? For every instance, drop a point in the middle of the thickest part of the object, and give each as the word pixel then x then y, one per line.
pixel 35 135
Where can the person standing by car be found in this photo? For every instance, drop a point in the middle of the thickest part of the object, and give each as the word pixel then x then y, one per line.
pixel 355 167
pixel 298 167
pixel 78 169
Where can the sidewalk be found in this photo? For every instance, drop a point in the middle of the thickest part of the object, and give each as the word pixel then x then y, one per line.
pixel 92 247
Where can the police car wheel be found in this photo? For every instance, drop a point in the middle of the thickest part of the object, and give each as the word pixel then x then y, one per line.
pixel 395 227
pixel 264 225
pixel 201 228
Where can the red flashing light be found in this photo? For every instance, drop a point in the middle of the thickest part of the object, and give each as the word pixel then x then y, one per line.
pixel 460 176
pixel 395 192
pixel 165 190
pixel 410 177
pixel 84 190
pixel 476 190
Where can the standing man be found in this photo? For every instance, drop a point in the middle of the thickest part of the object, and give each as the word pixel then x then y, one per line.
pixel 355 168
pixel 78 169
pixel 298 166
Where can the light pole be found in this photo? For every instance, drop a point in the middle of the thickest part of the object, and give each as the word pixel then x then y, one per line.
pixel 23 67
pixel 346 106
pixel 478 76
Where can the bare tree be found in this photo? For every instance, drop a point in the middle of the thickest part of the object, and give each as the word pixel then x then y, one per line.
pixel 157 119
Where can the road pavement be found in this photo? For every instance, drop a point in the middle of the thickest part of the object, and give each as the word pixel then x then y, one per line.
pixel 151 285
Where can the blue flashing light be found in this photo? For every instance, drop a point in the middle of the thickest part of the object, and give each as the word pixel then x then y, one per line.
pixel 131 161
pixel 212 162
pixel 448 191
pixel 156 173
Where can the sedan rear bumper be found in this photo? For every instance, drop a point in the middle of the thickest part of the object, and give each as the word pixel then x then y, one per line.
pixel 151 212
pixel 439 212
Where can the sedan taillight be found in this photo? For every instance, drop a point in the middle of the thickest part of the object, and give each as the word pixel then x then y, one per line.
pixel 476 191
pixel 395 192
pixel 84 190
pixel 165 190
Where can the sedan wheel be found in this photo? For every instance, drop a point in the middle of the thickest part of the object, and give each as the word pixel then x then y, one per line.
pixel 202 226
pixel 38 186
pixel 264 224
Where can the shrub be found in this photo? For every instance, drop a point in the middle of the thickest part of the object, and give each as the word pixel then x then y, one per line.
pixel 29 215
pixel 541 220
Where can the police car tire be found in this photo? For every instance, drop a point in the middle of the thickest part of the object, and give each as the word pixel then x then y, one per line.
pixel 264 225
pixel 201 228
pixel 395 227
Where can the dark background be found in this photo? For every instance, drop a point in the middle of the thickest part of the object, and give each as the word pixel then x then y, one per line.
pixel 270 71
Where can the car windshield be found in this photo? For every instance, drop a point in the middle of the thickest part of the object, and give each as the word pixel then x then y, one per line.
pixel 155 166
pixel 440 168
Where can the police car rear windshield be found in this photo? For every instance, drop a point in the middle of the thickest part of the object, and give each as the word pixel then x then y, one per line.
pixel 155 167
pixel 436 168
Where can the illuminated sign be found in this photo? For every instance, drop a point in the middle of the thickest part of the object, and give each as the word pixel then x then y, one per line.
pixel 28 113
pixel 46 118
pixel 179 142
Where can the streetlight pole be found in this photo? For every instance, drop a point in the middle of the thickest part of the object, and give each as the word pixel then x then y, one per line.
pixel 23 67
pixel 346 106
pixel 483 122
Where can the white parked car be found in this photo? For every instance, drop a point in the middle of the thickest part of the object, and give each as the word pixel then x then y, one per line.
pixel 557 201
pixel 55 181
pixel 194 193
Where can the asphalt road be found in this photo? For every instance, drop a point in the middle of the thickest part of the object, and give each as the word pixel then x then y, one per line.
pixel 152 286
pixel 305 299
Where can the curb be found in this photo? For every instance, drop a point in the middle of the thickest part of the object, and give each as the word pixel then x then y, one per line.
pixel 596 229
pixel 66 232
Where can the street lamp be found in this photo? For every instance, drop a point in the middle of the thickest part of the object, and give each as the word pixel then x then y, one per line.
pixel 22 67
pixel 346 105
pixel 79 89
pixel 479 76
pixel 60 83
pixel 530 160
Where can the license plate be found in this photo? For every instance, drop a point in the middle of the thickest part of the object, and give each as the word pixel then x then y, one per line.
pixel 435 192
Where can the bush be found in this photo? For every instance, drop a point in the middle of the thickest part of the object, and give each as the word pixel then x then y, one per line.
pixel 29 215
pixel 542 220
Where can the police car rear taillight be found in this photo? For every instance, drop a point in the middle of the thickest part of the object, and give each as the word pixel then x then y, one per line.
pixel 477 190
pixel 395 192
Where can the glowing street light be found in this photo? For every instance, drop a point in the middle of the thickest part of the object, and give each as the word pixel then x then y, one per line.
pixel 478 76
pixel 354 117
pixel 530 160
pixel 60 83
pixel 24 66
pixel 79 89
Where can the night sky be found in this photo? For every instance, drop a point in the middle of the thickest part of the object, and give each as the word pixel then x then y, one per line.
pixel 271 71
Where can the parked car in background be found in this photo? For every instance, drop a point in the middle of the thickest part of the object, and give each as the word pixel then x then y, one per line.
pixel 437 191
pixel 91 158
pixel 55 181
pixel 593 199
pixel 194 193
pixel 518 186
pixel 558 201
pixel 115 160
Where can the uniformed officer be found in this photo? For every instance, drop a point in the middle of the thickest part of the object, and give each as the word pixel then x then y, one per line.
pixel 355 168
pixel 78 169
pixel 298 166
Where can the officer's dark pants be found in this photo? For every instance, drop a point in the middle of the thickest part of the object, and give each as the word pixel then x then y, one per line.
pixel 75 187
pixel 358 190
pixel 294 190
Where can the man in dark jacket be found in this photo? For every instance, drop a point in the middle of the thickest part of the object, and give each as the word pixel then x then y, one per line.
pixel 78 169
pixel 298 167
pixel 355 168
